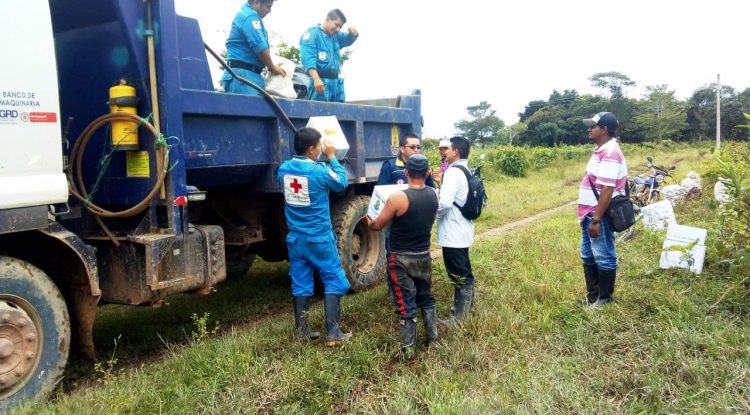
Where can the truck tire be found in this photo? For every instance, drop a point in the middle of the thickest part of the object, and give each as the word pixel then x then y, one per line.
pixel 34 333
pixel 362 250
pixel 239 265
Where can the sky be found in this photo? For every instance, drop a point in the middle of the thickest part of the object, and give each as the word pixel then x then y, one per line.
pixel 508 53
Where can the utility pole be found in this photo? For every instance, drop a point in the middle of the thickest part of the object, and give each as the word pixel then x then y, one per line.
pixel 718 111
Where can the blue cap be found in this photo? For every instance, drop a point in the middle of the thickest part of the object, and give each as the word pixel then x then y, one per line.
pixel 417 163
pixel 605 119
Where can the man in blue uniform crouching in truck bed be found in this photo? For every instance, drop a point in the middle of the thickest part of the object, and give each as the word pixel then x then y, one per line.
pixel 311 241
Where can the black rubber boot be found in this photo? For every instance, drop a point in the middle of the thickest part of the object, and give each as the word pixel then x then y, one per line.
pixel 334 336
pixel 461 304
pixel 409 336
pixel 463 299
pixel 473 298
pixel 606 286
pixel 429 319
pixel 302 328
pixel 591 275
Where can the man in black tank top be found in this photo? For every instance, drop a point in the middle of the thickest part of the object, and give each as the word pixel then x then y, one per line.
pixel 411 213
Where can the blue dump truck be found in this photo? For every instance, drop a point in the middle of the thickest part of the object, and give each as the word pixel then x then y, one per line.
pixel 125 176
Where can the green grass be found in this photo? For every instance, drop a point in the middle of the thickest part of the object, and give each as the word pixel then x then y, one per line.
pixel 663 347
pixel 513 198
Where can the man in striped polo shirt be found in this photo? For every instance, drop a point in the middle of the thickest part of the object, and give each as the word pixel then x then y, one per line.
pixel 607 171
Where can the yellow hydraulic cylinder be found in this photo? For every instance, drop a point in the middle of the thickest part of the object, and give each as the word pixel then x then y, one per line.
pixel 122 98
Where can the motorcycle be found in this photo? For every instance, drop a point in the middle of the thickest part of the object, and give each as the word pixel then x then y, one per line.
pixel 644 190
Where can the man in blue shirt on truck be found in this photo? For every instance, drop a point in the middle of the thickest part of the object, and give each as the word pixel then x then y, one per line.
pixel 320 52
pixel 310 241
pixel 247 48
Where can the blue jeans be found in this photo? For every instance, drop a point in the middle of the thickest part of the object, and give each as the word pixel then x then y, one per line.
pixel 599 251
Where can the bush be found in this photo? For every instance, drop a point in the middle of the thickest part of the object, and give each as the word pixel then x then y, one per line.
pixel 734 154
pixel 667 145
pixel 731 246
pixel 581 152
pixel 513 161
pixel 542 156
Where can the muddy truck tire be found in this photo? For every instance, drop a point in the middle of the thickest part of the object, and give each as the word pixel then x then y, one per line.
pixel 362 250
pixel 34 333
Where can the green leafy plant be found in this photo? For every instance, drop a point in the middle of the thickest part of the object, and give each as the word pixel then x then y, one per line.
pixel 542 156
pixel 201 327
pixel 686 252
pixel 732 247
pixel 513 161
pixel 746 125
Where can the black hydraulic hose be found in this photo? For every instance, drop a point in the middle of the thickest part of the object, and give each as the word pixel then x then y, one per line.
pixel 271 100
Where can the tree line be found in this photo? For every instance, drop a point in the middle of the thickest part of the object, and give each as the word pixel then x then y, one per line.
pixel 658 115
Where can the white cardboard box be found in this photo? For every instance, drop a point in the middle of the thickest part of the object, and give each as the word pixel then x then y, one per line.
pixel 329 127
pixel 684 235
pixel 380 195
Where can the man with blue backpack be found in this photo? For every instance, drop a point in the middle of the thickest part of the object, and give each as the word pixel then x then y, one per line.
pixel 461 199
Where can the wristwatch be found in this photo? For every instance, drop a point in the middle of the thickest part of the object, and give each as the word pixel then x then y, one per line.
pixel 595 221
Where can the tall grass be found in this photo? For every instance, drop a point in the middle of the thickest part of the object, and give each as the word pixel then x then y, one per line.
pixel 668 345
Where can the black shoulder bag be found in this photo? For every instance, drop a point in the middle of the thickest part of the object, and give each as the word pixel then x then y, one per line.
pixel 620 212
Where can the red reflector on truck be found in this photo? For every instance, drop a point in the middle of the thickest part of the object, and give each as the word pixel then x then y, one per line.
pixel 181 201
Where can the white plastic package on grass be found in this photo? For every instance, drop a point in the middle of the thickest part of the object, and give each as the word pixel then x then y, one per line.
pixel 657 216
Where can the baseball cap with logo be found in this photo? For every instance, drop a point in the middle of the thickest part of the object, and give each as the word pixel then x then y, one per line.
pixel 417 163
pixel 604 119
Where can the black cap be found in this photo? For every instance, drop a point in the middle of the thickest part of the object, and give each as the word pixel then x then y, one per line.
pixel 604 119
pixel 417 163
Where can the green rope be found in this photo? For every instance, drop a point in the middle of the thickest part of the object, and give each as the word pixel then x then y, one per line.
pixel 160 141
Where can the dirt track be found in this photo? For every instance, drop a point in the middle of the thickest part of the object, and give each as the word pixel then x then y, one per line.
pixel 438 253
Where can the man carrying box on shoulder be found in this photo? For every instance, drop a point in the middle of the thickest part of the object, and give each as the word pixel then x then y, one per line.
pixel 310 241
pixel 411 213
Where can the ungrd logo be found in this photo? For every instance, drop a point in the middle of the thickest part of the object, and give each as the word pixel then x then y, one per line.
pixel 8 114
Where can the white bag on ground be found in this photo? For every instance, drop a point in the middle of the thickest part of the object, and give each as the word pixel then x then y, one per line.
pixel 658 216
pixel 281 86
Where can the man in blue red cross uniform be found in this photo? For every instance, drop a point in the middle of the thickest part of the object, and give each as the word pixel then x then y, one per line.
pixel 320 53
pixel 310 241
pixel 247 48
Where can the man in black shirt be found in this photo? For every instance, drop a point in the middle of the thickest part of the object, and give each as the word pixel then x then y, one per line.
pixel 411 213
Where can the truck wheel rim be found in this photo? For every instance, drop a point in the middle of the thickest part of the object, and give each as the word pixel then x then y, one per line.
pixel 365 247
pixel 21 341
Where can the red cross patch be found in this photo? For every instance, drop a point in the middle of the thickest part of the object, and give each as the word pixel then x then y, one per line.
pixel 296 190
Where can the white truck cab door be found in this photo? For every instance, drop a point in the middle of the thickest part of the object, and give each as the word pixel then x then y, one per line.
pixel 31 170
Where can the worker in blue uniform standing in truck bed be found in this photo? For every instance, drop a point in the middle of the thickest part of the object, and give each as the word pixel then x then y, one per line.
pixel 310 241
pixel 320 52
pixel 247 48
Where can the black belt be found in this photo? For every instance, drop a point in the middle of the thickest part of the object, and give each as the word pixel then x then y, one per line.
pixel 328 74
pixel 244 65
